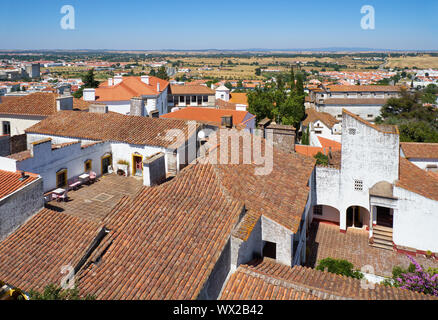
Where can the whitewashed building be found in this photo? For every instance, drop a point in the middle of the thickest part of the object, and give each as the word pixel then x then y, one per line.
pixel 423 155
pixel 118 92
pixel 374 188
pixel 68 144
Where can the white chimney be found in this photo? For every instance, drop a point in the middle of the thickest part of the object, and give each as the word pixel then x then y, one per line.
pixel 118 79
pixel 89 94
pixel 110 81
pixel 158 86
pixel 145 79
pixel 64 103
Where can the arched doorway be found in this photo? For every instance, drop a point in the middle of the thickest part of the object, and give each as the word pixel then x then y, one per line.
pixel 357 217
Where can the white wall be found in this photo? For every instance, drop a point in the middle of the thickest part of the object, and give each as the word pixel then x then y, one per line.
pixel 19 123
pixel 415 221
pixel 72 158
pixel 282 237
pixel 423 163
pixel 363 110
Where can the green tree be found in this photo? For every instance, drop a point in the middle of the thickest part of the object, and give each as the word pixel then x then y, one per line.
pixel 153 73
pixel 339 266
pixel 162 74
pixel 305 139
pixel 321 159
pixel 228 85
pixel 258 71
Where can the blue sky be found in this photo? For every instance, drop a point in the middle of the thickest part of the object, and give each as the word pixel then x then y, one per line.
pixel 222 24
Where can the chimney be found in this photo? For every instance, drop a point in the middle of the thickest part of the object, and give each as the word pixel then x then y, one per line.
pixel 40 147
pixel 158 87
pixel 137 107
pixel 282 136
pixel 89 94
pixel 154 169
pixel 145 79
pixel 118 79
pixel 64 103
pixel 110 82
pixel 98 108
pixel 227 121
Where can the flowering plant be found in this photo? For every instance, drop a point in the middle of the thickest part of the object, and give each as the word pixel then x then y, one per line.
pixel 418 280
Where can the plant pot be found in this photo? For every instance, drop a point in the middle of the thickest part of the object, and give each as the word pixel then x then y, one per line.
pixel 124 168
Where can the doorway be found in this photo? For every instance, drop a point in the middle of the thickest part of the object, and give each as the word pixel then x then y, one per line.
pixel 106 162
pixel 137 165
pixel 384 217
pixel 354 217
pixel 270 250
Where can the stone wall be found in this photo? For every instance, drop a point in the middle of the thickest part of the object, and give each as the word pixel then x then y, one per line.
pixel 283 137
pixel 19 206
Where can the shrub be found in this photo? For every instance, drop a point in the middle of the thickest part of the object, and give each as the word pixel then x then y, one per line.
pixel 339 266
pixel 53 292
pixel 321 159
pixel 414 278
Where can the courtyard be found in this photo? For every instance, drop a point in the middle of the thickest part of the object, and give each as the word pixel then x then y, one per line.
pixel 96 200
pixel 325 240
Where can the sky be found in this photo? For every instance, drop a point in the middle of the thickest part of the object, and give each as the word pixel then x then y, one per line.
pixel 220 24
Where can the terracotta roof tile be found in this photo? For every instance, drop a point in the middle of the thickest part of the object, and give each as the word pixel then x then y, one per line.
pixel 10 182
pixel 32 256
pixel 191 89
pixel 312 283
pixel 356 101
pixel 326 118
pixel 416 180
pixel 420 150
pixel 206 115
pixel 37 104
pixel 130 87
pixel 110 127
pixel 369 88
pixel 238 98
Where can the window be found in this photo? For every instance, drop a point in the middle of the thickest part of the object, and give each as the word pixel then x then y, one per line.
pixel 339 115
pixel 318 132
pixel 317 210
pixel 193 98
pixel 352 131
pixel 369 115
pixel 61 178
pixel 181 99
pixel 87 165
pixel 205 99
pixel 358 185
pixel 6 127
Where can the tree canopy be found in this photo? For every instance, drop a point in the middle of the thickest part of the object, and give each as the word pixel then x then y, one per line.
pixel 282 101
pixel 417 121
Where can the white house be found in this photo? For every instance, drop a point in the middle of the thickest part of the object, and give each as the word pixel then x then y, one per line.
pixel 118 92
pixel 191 96
pixel 67 144
pixel 374 188
pixel 321 124
pixel 20 113
pixel 223 93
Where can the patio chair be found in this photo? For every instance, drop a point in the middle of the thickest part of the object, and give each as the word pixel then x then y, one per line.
pixel 63 197
pixel 92 176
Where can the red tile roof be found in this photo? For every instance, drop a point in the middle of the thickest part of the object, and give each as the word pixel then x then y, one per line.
pixel 416 180
pixel 357 101
pixel 369 88
pixel 10 182
pixel 130 87
pixel 268 279
pixel 238 98
pixel 37 104
pixel 225 105
pixel 32 256
pixel 327 144
pixel 313 115
pixel 206 115
pixel 420 150
pixel 167 239
pixel 111 127
pixel 191 90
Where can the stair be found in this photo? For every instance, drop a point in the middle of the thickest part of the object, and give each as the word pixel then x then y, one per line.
pixel 382 238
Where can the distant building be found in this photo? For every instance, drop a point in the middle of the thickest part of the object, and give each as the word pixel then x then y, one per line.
pixel 118 92
pixel 190 96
